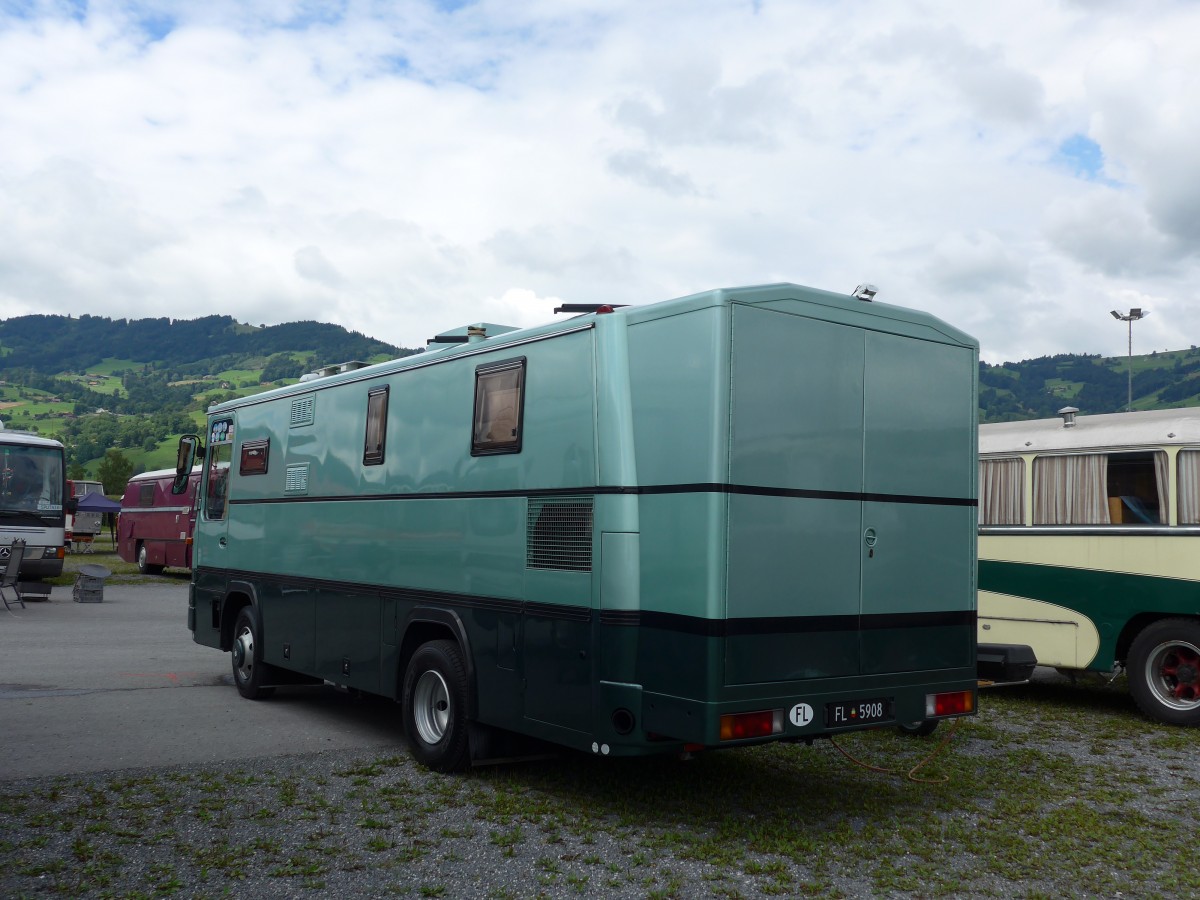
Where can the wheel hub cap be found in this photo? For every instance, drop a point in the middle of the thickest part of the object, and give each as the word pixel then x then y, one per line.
pixel 1175 671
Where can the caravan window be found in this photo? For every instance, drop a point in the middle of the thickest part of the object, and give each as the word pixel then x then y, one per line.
pixel 1189 487
pixel 1002 491
pixel 254 457
pixel 1100 489
pixel 376 436
pixel 499 407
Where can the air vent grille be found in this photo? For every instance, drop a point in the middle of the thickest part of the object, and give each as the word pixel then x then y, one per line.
pixel 559 534
pixel 303 409
pixel 295 480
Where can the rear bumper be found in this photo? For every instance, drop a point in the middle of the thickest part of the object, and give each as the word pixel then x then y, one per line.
pixel 806 709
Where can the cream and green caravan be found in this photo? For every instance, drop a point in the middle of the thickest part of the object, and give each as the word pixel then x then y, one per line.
pixel 740 516
pixel 1085 548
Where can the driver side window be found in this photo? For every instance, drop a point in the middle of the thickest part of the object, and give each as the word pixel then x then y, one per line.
pixel 218 481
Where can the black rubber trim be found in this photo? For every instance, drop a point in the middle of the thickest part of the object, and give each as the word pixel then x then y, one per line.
pixel 702 488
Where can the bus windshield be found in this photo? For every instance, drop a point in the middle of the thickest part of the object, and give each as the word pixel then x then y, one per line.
pixel 31 481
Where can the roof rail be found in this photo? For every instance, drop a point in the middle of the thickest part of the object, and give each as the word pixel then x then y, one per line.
pixel 588 307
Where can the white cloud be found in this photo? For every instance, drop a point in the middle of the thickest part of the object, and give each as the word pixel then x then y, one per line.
pixel 403 169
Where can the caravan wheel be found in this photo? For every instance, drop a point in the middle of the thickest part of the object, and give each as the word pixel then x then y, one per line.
pixel 1164 671
pixel 435 706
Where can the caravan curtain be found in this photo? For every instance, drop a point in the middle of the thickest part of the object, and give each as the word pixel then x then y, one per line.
pixel 1189 487
pixel 1070 490
pixel 1162 469
pixel 1001 492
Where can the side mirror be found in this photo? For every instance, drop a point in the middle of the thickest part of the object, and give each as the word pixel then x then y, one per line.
pixel 189 451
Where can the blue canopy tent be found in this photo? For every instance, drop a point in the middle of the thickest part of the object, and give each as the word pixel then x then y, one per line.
pixel 93 502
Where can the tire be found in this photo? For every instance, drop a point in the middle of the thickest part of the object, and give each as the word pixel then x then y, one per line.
pixel 1164 671
pixel 435 707
pixel 143 566
pixel 920 728
pixel 249 670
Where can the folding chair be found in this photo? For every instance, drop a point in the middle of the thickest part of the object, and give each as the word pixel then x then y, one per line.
pixel 8 581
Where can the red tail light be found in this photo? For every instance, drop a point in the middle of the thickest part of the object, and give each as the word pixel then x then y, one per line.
pixel 953 703
pixel 738 726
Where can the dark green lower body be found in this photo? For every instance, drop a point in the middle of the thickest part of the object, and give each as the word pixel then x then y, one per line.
pixel 620 683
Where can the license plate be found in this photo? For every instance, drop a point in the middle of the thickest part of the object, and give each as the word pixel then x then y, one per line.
pixel 844 713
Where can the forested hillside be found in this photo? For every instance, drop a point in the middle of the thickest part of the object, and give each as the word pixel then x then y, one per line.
pixel 52 344
pixel 119 392
pixel 1038 388
pixel 127 388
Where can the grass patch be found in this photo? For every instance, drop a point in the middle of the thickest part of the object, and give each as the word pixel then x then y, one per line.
pixel 1052 790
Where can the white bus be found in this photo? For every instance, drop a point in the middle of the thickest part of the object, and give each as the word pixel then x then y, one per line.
pixel 32 487
pixel 1086 549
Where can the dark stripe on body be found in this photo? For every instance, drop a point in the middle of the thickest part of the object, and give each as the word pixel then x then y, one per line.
pixel 649 618
pixel 648 490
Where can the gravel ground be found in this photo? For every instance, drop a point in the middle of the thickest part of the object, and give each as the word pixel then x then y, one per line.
pixel 1053 790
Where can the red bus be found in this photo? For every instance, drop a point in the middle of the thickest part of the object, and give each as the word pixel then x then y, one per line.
pixel 154 529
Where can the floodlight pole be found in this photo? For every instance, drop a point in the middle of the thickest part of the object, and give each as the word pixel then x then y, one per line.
pixel 1133 316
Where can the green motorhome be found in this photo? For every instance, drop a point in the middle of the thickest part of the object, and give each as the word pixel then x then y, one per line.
pixel 739 516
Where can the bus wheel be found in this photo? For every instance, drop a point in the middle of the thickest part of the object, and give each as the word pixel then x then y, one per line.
pixel 920 728
pixel 1164 671
pixel 435 707
pixel 248 667
pixel 143 566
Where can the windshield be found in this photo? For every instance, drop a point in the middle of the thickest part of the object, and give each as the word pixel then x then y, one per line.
pixel 31 480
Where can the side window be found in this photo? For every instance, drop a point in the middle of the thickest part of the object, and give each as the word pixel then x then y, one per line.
pixel 499 407
pixel 1002 491
pixel 376 434
pixel 220 454
pixel 1189 487
pixel 254 457
pixel 1100 489
pixel 1137 488
pixel 146 493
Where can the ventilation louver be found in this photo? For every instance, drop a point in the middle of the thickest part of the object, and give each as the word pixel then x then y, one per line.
pixel 559 534
pixel 303 409
pixel 295 479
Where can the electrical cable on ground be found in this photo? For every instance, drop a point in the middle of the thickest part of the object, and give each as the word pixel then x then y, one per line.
pixel 911 774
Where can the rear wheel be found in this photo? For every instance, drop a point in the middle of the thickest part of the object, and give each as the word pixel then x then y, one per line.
pixel 435 706
pixel 143 562
pixel 1164 671
pixel 919 728
pixel 248 668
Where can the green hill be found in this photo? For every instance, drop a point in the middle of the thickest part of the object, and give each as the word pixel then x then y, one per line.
pixel 99 384
pixel 1038 388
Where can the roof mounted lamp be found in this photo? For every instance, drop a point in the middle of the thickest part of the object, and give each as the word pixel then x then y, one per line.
pixel 865 292
pixel 1133 316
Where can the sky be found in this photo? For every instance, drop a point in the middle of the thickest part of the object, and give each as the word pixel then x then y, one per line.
pixel 402 168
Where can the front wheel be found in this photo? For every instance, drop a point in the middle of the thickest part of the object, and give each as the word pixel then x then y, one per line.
pixel 1164 671
pixel 435 707
pixel 143 562
pixel 248 667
